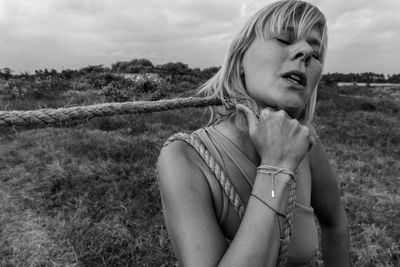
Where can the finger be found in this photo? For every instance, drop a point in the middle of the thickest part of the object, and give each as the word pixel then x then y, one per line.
pixel 268 111
pixel 271 108
pixel 251 117
pixel 282 111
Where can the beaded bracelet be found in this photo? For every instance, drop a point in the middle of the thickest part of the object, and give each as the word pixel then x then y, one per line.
pixel 272 171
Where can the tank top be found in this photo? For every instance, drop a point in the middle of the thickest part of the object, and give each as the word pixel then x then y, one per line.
pixel 241 171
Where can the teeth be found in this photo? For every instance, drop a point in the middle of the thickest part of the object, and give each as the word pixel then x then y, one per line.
pixel 295 79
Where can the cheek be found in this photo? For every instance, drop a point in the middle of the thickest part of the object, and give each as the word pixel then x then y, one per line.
pixel 258 81
pixel 315 75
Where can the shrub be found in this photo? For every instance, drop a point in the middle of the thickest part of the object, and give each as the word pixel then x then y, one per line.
pixel 98 81
pixel 326 91
pixel 40 88
pixel 128 90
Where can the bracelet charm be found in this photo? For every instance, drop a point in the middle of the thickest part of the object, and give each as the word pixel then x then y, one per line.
pixel 272 171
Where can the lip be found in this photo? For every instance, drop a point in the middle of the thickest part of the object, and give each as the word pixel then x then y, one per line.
pixel 295 86
pixel 301 75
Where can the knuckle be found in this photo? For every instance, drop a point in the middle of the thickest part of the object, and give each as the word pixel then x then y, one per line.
pixel 252 134
pixel 294 122
pixel 264 113
pixel 281 113
pixel 305 130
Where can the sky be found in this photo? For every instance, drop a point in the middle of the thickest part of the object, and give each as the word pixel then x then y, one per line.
pixel 364 35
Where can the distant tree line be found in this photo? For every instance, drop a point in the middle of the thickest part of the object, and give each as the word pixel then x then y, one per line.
pixel 364 77
pixel 174 71
pixel 177 72
pixel 6 73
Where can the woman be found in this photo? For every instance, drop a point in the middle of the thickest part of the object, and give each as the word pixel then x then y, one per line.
pixel 268 152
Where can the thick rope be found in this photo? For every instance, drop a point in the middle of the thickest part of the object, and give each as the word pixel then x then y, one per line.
pixel 234 197
pixel 219 173
pixel 287 225
pixel 62 115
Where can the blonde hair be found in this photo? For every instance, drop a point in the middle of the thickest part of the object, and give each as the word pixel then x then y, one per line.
pixel 228 84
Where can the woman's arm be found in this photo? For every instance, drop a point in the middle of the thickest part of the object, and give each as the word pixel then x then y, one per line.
pixel 191 220
pixel 328 207
pixel 188 207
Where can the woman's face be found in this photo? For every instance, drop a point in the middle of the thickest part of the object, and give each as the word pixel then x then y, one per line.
pixel 283 73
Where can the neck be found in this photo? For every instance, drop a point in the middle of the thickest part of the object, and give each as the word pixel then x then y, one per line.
pixel 240 137
pixel 297 114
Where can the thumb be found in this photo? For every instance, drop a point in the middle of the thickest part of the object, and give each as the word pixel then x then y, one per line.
pixel 251 117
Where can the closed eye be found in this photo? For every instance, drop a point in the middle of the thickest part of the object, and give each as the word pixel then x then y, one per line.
pixel 284 41
pixel 316 55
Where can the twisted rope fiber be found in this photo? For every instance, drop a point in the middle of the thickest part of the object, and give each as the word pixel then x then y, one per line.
pixel 62 115
pixel 287 225
pixel 233 196
pixel 219 173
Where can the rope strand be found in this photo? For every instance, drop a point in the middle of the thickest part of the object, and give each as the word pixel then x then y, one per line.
pixel 218 171
pixel 62 115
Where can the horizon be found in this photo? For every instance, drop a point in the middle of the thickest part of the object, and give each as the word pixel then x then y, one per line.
pixel 73 34
pixel 14 73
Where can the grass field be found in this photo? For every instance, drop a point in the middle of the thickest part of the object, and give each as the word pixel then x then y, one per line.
pixel 87 195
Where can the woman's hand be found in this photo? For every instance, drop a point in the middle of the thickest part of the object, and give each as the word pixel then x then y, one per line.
pixel 279 140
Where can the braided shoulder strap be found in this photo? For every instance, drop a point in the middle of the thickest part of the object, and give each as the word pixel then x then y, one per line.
pixel 216 169
pixel 287 226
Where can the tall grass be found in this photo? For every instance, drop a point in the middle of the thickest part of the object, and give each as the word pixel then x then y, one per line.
pixel 87 195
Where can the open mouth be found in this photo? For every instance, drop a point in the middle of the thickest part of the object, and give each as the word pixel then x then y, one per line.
pixel 296 78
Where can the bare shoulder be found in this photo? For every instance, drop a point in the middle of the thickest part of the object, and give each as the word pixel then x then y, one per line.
pixel 177 157
pixel 179 172
pixel 177 150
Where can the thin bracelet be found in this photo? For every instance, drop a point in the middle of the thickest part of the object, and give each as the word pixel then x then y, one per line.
pixel 274 168
pixel 272 171
pixel 266 204
pixel 270 174
pixel 276 212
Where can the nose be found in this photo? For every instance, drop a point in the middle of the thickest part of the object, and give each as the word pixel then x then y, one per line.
pixel 303 52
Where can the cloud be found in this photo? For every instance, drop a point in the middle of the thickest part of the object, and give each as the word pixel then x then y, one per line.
pixel 76 33
pixel 363 35
pixel 86 29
